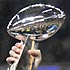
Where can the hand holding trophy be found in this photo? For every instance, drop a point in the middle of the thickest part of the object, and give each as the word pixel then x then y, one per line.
pixel 37 22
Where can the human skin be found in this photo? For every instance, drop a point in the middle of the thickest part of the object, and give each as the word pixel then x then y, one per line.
pixel 17 48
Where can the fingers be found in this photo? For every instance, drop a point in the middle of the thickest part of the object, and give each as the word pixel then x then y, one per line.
pixel 11 60
pixel 20 37
pixel 16 49
pixel 35 53
pixel 14 53
pixel 19 45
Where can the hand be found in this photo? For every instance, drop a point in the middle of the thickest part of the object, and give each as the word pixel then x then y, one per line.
pixel 15 52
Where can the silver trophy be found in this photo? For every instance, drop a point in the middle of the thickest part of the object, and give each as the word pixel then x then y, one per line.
pixel 39 21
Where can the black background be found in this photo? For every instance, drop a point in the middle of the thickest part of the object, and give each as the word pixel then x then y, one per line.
pixel 55 49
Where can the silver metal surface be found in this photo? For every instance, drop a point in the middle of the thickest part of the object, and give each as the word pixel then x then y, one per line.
pixel 39 20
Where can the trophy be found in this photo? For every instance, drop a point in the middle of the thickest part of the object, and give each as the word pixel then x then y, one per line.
pixel 39 21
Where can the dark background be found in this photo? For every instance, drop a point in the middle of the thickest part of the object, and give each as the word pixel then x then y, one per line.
pixel 55 49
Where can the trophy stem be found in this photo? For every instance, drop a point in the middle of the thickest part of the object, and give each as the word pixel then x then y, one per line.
pixel 15 65
pixel 31 57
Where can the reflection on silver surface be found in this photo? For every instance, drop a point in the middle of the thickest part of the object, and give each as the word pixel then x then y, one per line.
pixel 37 20
pixel 40 21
